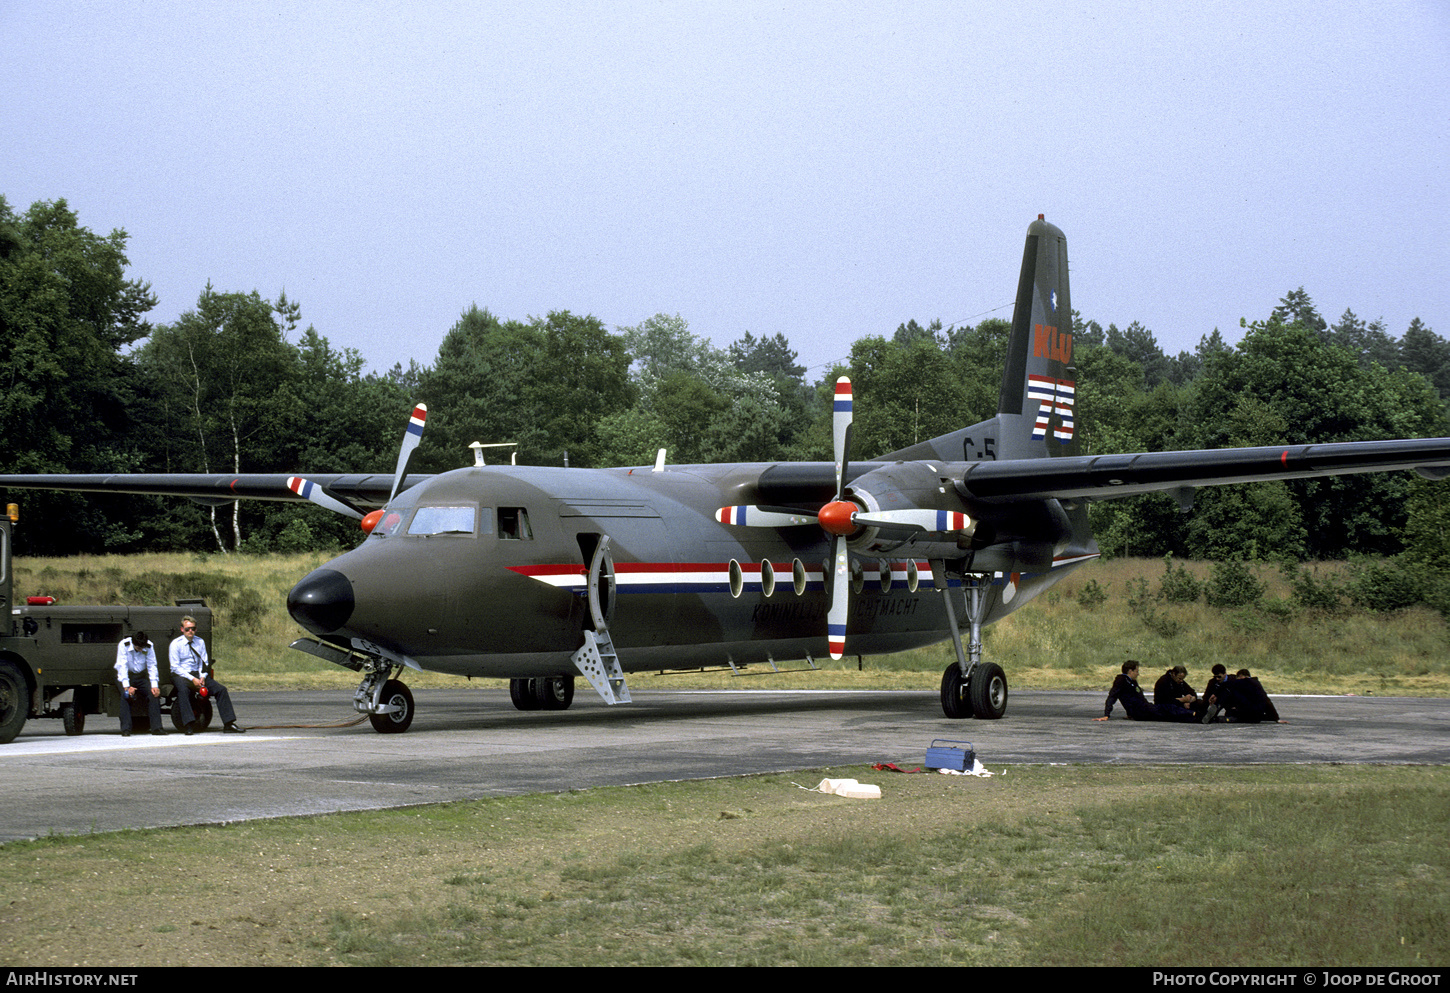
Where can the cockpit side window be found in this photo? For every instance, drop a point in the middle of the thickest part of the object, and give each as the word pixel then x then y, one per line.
pixel 513 522
pixel 444 520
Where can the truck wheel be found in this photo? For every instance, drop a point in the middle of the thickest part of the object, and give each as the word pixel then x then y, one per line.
pixel 398 695
pixel 14 701
pixel 73 719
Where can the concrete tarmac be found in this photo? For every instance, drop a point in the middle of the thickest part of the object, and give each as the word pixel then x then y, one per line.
pixel 472 743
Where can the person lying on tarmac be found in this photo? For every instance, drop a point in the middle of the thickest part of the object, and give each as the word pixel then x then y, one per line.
pixel 1172 691
pixel 189 662
pixel 1126 689
pixel 1244 700
pixel 135 658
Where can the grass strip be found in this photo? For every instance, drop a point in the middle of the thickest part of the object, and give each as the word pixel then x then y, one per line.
pixel 1126 866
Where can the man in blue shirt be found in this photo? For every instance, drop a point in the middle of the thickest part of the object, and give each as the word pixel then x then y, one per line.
pixel 189 662
pixel 135 659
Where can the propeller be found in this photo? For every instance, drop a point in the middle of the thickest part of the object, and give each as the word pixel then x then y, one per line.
pixel 840 608
pixel 308 490
pixel 842 518
pixel 411 437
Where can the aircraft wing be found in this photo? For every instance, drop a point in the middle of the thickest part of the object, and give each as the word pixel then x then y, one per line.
pixel 357 490
pixel 1106 477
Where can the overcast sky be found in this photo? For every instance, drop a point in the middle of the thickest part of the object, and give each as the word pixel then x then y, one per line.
pixel 821 170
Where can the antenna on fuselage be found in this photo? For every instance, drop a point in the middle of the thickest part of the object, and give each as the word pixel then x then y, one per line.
pixel 479 446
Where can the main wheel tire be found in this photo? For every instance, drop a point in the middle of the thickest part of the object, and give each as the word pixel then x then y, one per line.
pixel 14 701
pixel 398 695
pixel 72 719
pixel 554 692
pixel 988 691
pixel 521 692
pixel 953 694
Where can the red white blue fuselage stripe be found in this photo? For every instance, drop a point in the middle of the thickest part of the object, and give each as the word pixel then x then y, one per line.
pixel 714 577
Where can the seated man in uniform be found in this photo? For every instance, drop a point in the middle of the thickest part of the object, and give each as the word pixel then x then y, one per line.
pixel 1172 691
pixel 189 666
pixel 136 657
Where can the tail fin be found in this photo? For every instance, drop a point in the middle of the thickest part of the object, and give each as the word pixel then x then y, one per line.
pixel 1039 385
pixel 1036 409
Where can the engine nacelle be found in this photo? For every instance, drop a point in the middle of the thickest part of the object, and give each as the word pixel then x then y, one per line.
pixel 911 488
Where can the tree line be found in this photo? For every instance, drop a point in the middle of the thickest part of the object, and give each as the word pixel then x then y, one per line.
pixel 238 384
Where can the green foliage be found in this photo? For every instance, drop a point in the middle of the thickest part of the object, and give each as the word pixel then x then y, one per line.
pixel 703 404
pixel 1311 592
pixel 543 383
pixel 1178 585
pixel 1144 605
pixel 245 611
pixel 915 392
pixel 1278 608
pixel 66 311
pixel 296 537
pixel 1284 384
pixel 1092 595
pixel 1383 585
pixel 1233 584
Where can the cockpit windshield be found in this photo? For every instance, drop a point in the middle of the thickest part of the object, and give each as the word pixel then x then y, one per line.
pixel 444 520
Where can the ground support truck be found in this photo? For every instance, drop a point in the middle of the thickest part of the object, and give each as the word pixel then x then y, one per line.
pixel 59 661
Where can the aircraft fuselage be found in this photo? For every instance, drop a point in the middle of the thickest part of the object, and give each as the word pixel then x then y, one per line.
pixel 484 572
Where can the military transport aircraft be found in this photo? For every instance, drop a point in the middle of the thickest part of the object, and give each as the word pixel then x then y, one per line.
pixel 539 574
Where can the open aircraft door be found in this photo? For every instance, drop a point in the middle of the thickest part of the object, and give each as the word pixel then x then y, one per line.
pixel 596 660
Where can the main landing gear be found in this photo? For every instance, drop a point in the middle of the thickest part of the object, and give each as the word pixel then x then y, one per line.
pixel 542 692
pixel 969 686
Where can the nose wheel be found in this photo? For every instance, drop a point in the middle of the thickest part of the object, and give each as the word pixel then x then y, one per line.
pixel 395 709
pixel 387 702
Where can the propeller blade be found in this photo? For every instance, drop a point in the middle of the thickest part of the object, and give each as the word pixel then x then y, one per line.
pixel 914 520
pixel 411 437
pixel 840 609
pixel 308 490
pixel 745 516
pixel 841 431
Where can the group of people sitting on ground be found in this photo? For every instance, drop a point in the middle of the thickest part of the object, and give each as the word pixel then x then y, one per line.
pixel 1235 697
pixel 189 662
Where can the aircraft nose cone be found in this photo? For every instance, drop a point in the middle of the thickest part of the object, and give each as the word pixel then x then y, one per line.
pixel 322 602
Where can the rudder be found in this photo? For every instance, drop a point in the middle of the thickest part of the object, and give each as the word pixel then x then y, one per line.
pixel 1037 406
